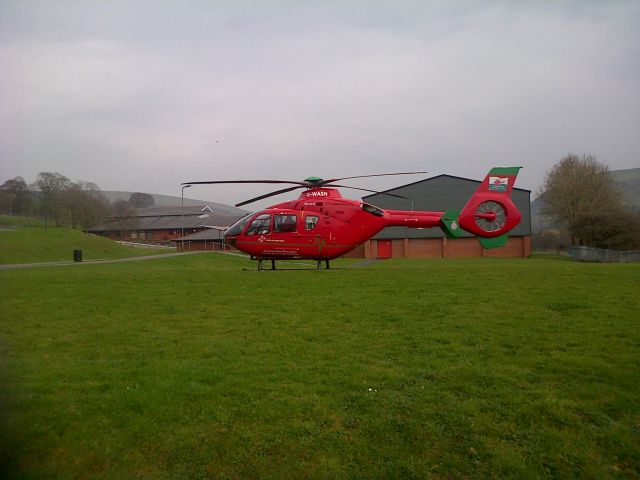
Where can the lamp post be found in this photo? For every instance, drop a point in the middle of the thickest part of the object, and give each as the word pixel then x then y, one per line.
pixel 182 213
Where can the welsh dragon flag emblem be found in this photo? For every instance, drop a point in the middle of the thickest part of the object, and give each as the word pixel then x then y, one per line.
pixel 498 184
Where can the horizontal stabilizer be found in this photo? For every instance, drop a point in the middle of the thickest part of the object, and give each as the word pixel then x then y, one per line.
pixel 494 242
pixel 450 225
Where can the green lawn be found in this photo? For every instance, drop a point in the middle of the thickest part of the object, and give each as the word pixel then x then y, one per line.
pixel 31 243
pixel 192 367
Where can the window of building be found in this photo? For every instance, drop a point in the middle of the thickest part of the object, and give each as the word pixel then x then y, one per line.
pixel 284 223
pixel 260 225
pixel 310 222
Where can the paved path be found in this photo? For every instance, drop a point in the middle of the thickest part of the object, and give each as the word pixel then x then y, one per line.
pixel 15 266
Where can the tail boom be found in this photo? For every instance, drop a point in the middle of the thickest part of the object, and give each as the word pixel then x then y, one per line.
pixel 489 214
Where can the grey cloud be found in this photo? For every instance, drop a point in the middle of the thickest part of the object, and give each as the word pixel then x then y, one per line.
pixel 143 95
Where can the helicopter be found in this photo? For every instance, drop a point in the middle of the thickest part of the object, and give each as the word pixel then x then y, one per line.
pixel 321 225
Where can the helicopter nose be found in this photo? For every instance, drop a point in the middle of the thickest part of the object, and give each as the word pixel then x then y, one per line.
pixel 229 239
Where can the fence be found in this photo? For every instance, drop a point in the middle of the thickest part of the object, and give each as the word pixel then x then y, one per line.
pixel 144 245
pixel 590 254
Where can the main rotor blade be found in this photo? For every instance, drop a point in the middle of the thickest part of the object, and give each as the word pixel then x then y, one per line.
pixel 245 181
pixel 267 195
pixel 367 190
pixel 324 182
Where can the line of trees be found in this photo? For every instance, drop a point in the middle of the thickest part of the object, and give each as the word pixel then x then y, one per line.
pixel 61 202
pixel 582 198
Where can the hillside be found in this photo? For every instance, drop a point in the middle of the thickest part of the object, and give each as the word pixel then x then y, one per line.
pixel 27 241
pixel 629 183
pixel 171 201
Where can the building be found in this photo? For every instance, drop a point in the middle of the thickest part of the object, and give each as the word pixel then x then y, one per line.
pixel 166 225
pixel 441 193
pixel 211 239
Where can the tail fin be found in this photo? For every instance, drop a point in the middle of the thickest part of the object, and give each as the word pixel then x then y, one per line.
pixel 489 214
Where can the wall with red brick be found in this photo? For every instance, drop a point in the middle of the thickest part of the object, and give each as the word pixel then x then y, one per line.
pixel 463 247
pixel 397 248
pixel 515 247
pixel 424 247
pixel 445 247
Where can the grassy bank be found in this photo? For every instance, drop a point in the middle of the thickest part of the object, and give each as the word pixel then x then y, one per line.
pixel 191 367
pixel 27 241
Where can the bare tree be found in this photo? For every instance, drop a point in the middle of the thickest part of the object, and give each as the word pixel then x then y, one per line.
pixel 52 185
pixel 124 216
pixel 85 203
pixel 581 196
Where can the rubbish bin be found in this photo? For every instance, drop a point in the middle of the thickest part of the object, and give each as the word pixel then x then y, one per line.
pixel 77 255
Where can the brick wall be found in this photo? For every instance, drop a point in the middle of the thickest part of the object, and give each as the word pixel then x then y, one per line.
pixel 445 247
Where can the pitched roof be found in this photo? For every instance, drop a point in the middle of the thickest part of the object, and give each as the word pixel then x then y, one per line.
pixel 167 222
pixel 173 211
pixel 425 181
pixel 208 234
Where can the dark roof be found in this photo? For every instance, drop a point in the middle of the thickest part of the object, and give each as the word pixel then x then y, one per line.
pixel 208 234
pixel 173 211
pixel 444 175
pixel 167 222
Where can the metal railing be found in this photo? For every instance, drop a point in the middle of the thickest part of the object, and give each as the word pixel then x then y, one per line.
pixel 604 255
pixel 144 245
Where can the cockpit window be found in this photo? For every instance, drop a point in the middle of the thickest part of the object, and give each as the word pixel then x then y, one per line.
pixel 284 223
pixel 310 222
pixel 237 227
pixel 372 210
pixel 260 225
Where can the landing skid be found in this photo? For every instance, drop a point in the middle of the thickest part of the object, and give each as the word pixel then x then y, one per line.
pixel 326 264
pixel 273 264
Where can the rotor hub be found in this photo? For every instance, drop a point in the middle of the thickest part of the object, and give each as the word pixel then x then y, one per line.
pixel 490 216
pixel 313 182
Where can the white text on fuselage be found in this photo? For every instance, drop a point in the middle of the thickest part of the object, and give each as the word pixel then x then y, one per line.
pixel 317 194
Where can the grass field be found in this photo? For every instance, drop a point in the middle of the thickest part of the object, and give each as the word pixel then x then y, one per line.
pixel 192 367
pixel 30 243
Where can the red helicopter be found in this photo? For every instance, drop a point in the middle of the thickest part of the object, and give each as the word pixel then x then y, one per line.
pixel 322 225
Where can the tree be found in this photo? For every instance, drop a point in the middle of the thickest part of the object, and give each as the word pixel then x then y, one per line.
pixel 617 230
pixel 85 203
pixel 141 200
pixel 583 198
pixel 52 185
pixel 124 216
pixel 15 197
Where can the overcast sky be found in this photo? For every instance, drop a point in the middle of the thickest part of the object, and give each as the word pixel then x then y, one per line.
pixel 143 95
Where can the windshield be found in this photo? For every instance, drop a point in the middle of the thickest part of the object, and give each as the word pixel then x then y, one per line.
pixel 236 229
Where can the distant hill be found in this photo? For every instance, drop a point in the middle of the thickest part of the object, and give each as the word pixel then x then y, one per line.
pixel 629 183
pixel 171 201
